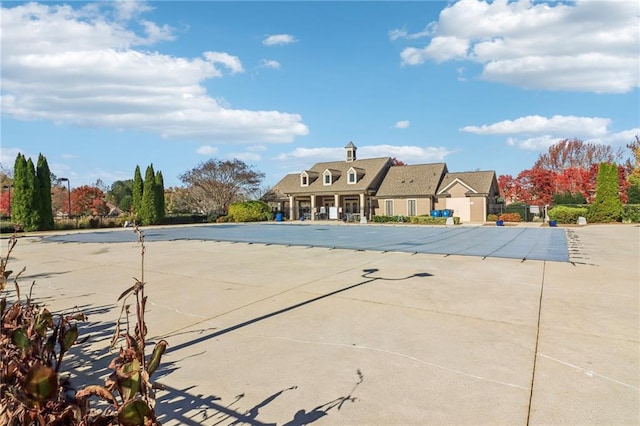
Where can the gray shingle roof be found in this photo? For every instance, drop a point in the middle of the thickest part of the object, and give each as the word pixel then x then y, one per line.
pixel 417 180
pixel 480 181
pixel 373 169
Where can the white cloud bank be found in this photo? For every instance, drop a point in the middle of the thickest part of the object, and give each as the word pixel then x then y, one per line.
pixel 537 133
pixel 408 154
pixel 588 46
pixel 82 66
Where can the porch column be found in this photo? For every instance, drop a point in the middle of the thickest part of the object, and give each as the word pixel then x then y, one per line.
pixel 292 209
pixel 336 201
pixel 313 207
pixel 362 205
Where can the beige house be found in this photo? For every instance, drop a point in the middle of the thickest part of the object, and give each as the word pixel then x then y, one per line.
pixel 353 189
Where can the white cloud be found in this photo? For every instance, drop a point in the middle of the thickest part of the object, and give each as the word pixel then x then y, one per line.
pixel 558 124
pixel 537 133
pixel 76 66
pixel 229 61
pixel 8 157
pixel 402 124
pixel 403 33
pixel 580 46
pixel 315 154
pixel 408 154
pixel 279 39
pixel 207 150
pixel 269 63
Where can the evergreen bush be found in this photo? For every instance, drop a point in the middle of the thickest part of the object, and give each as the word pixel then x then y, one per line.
pixel 565 214
pixel 250 211
pixel 607 206
pixel 631 213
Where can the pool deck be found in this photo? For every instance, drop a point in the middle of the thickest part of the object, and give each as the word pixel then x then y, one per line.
pixel 269 334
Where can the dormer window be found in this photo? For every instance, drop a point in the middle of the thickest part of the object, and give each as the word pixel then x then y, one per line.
pixel 327 177
pixel 308 177
pixel 354 174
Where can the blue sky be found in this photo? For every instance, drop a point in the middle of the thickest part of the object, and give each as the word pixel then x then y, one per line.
pixel 101 87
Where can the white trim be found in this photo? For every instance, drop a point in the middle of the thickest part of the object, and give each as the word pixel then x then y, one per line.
pixel 324 177
pixel 304 176
pixel 455 181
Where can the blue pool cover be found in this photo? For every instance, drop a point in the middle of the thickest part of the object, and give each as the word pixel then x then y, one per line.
pixel 523 243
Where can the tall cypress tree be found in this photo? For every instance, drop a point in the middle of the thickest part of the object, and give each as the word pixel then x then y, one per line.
pixel 159 196
pixel 607 206
pixel 18 207
pixel 148 214
pixel 137 191
pixel 44 188
pixel 31 199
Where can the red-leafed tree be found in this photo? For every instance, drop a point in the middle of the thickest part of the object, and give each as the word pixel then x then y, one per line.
pixel 569 167
pixel 88 200
pixel 623 182
pixel 397 162
pixel 535 186
pixel 574 153
pixel 5 203
pixel 508 187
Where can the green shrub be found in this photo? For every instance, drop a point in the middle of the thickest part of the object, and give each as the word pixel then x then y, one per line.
pixel 566 214
pixel 418 220
pixel 250 211
pixel 492 217
pixel 631 213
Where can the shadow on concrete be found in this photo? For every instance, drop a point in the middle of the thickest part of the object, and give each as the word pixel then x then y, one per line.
pixel 366 275
pixel 180 406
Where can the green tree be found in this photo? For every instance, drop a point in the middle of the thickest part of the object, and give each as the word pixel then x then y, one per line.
pixel 159 195
pixel 607 206
pixel 137 190
pixel 121 194
pixel 31 199
pixel 44 192
pixel 148 214
pixel 18 203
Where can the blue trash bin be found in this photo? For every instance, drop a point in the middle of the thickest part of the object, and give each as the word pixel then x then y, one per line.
pixel 278 217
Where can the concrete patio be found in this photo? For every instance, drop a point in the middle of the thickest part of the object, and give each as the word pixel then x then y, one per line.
pixel 288 335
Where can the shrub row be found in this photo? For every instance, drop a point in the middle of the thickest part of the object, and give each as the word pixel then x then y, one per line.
pixel 420 220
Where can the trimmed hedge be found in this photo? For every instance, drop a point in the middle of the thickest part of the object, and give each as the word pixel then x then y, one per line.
pixel 417 220
pixel 566 214
pixel 250 211
pixel 631 213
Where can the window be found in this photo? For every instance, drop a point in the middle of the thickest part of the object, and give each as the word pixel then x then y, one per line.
pixel 352 177
pixel 388 207
pixel 304 180
pixel 411 208
pixel 327 178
